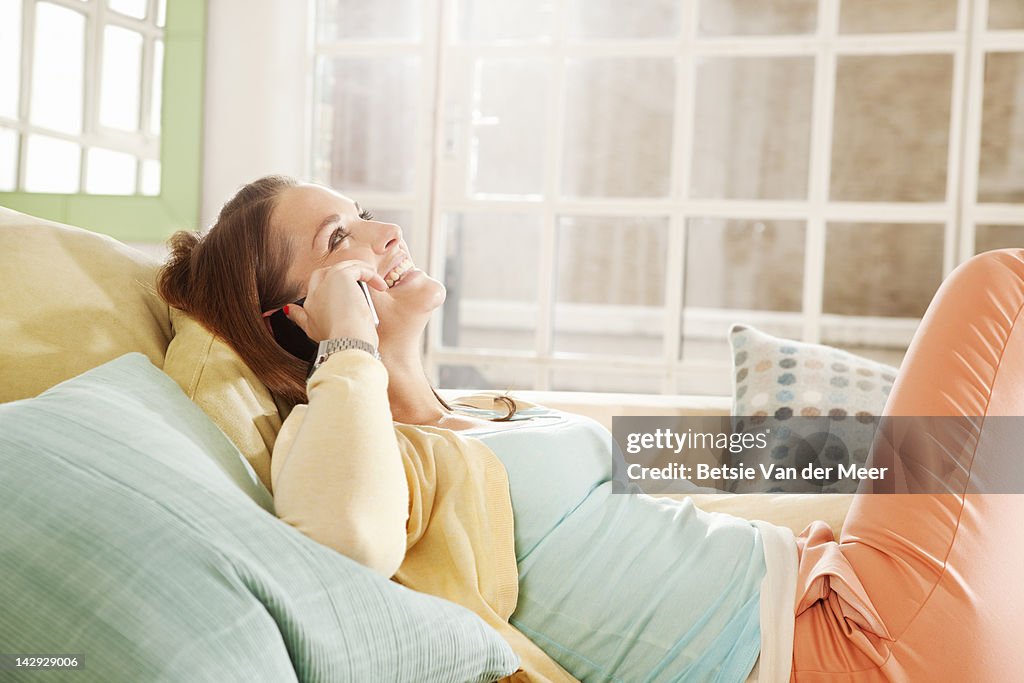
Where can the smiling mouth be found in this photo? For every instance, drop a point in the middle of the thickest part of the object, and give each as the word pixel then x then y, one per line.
pixel 395 274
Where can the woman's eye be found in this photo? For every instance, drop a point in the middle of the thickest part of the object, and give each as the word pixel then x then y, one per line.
pixel 366 215
pixel 336 238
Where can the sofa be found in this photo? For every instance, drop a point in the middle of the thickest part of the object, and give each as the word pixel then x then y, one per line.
pixel 138 527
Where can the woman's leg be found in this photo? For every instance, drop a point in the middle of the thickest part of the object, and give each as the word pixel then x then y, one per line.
pixel 929 587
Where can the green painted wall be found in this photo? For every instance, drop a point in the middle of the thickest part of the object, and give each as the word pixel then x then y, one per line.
pixel 151 219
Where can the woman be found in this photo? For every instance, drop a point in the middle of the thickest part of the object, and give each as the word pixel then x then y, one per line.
pixel 609 587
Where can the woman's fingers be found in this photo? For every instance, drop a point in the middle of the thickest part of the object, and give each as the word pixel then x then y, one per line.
pixel 354 269
pixel 297 314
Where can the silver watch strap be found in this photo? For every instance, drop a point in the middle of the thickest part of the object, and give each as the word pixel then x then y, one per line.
pixel 331 346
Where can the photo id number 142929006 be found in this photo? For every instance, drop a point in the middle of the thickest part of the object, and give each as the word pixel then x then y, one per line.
pixel 32 660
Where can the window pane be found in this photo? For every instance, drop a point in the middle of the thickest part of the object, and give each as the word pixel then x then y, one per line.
pixel 57 68
pixel 604 19
pixel 610 291
pixel 757 17
pixel 509 114
pixel 156 105
pixel 122 78
pixel 52 165
pixel 625 381
pixel 744 264
pixel 361 20
pixel 109 172
pixel 752 127
pixel 989 237
pixel 525 20
pixel 490 272
pixel 617 129
pixel 492 376
pixel 740 271
pixel 1005 14
pixel 10 57
pixel 150 185
pixel 881 269
pixel 891 133
pixel 1001 167
pixel 8 160
pixel 893 16
pixel 161 13
pixel 131 8
pixel 365 126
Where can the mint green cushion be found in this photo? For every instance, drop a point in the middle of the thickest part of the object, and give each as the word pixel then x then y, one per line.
pixel 133 533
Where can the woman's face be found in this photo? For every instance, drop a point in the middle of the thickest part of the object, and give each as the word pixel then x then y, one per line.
pixel 325 228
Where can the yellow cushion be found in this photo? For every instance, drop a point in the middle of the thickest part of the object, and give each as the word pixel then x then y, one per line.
pixel 73 300
pixel 214 376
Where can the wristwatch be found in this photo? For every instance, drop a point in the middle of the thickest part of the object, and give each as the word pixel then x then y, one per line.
pixel 329 346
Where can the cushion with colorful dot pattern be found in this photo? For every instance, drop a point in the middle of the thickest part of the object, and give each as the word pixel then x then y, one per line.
pixel 778 380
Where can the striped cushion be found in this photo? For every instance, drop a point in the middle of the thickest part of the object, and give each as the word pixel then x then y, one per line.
pixel 135 534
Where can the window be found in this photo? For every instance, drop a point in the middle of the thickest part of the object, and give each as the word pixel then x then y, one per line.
pixel 606 187
pixel 81 112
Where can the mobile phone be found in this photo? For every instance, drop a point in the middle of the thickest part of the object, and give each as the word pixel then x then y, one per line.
pixel 369 302
pixel 292 339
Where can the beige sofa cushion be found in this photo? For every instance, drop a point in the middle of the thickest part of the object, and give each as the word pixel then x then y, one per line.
pixel 214 376
pixel 74 299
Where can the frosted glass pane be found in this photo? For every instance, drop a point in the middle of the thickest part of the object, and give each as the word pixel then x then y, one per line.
pixel 8 159
pixel 520 21
pixel 110 172
pixel 1001 167
pixel 507 153
pixel 891 135
pixel 161 13
pixel 10 57
pixel 150 185
pixel 744 264
pixel 623 381
pixel 988 237
pixel 881 269
pixel 896 16
pixel 496 376
pixel 52 165
pixel 617 129
pixel 484 309
pixel 614 19
pixel 362 20
pixel 57 65
pixel 757 17
pixel 122 78
pixel 131 8
pixel 155 109
pixel 752 128
pixel 610 289
pixel 365 126
pixel 1005 14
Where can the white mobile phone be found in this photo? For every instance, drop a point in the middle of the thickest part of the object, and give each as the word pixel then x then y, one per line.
pixel 369 302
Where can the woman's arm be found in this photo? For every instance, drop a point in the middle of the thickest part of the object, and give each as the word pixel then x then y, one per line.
pixel 336 470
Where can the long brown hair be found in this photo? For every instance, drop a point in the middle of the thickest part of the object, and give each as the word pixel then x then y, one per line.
pixel 225 278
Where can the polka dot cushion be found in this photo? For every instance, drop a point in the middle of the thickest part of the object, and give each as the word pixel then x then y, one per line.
pixel 776 380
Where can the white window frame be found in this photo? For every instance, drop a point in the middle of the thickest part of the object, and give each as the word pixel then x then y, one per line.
pixel 144 144
pixel 959 213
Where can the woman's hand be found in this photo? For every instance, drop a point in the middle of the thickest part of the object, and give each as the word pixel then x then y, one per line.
pixel 335 305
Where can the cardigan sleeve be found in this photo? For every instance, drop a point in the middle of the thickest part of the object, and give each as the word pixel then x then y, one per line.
pixel 336 471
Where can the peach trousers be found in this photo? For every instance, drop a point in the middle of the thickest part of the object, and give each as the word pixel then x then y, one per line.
pixel 930 587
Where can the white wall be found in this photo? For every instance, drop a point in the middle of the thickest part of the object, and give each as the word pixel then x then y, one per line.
pixel 256 79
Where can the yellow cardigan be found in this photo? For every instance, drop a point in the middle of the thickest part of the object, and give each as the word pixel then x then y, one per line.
pixel 423 505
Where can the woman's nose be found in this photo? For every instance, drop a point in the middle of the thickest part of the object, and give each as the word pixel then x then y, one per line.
pixel 380 236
